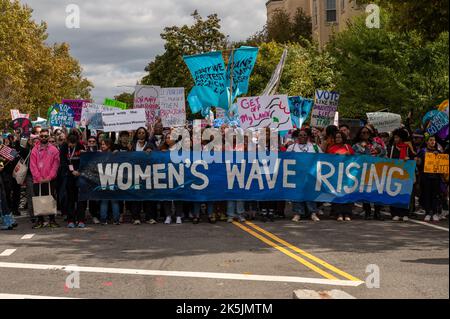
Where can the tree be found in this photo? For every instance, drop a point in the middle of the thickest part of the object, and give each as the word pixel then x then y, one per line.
pixel 283 28
pixel 34 75
pixel 126 98
pixel 306 69
pixel 169 69
pixel 429 18
pixel 383 68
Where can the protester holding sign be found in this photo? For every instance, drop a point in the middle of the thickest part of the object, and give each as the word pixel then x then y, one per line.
pixel 429 182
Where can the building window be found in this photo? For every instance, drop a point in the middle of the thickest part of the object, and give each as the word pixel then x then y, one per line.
pixel 315 12
pixel 331 10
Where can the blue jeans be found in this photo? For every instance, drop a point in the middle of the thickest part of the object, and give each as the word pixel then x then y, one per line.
pixel 299 208
pixel 235 208
pixel 104 210
pixel 209 208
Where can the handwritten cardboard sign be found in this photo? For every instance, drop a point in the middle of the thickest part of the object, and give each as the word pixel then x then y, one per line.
pixel 325 108
pixel 147 97
pixel 265 111
pixel 436 163
pixel 172 107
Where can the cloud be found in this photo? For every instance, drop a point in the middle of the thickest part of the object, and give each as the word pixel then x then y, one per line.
pixel 118 38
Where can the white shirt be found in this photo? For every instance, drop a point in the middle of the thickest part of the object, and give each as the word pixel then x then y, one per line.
pixel 304 148
pixel 139 148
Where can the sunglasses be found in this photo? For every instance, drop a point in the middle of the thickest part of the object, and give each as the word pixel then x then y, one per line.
pixel 44 136
pixel 92 142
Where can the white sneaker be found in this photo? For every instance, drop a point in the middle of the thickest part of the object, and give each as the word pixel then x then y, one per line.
pixel 137 222
pixel 405 218
pixel 242 219
pixel 168 220
pixel 436 218
pixel 315 218
pixel 348 219
pixel 296 219
pixel 179 220
pixel 95 220
pixel 427 218
pixel 230 220
pixel 396 218
pixel 320 212
pixel 340 219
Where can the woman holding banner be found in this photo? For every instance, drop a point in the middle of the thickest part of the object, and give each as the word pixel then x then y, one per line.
pixel 302 145
pixel 106 146
pixel 141 143
pixel 399 149
pixel 365 145
pixel 340 147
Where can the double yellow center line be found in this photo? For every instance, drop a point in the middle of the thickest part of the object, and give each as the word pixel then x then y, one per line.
pixel 284 249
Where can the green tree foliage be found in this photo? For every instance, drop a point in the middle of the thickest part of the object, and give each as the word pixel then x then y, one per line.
pixel 169 69
pixel 34 75
pixel 429 18
pixel 306 69
pixel 126 98
pixel 283 28
pixel 383 68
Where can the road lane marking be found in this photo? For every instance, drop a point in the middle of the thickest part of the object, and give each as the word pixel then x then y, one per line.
pixel 187 274
pixel 304 253
pixel 7 252
pixel 16 296
pixel 286 252
pixel 428 224
pixel 28 236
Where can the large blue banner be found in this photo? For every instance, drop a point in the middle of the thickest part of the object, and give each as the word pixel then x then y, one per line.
pixel 138 176
pixel 208 72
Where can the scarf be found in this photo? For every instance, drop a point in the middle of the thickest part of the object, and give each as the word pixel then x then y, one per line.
pixel 403 147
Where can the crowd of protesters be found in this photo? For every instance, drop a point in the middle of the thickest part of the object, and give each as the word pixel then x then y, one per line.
pixel 54 162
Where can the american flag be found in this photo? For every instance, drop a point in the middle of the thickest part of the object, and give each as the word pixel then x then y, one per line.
pixel 8 153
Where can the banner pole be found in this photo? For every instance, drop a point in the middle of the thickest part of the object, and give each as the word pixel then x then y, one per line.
pixel 231 78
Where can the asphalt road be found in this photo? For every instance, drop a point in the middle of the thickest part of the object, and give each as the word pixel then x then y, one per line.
pixel 412 260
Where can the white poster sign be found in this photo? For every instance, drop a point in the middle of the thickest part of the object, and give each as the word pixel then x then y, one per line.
pixel 265 111
pixel 325 108
pixel 385 122
pixel 124 120
pixel 148 97
pixel 172 107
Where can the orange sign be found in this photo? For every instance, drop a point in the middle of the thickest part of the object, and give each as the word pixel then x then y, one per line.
pixel 436 163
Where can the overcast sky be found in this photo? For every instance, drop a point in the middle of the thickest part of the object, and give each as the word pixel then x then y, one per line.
pixel 117 38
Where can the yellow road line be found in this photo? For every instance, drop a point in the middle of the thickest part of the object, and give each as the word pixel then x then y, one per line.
pixel 286 252
pixel 304 253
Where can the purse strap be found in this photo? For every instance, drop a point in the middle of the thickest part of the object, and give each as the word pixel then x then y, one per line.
pixel 49 189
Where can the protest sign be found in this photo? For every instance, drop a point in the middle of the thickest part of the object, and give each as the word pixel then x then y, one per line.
pixel 22 124
pixel 208 72
pixel 242 63
pixel 298 177
pixel 76 106
pixel 91 115
pixel 147 97
pixel 436 163
pixel 15 114
pixel 436 121
pixel 385 122
pixel 172 107
pixel 115 103
pixel 265 111
pixel 61 115
pixel 325 106
pixel 126 120
pixel 300 109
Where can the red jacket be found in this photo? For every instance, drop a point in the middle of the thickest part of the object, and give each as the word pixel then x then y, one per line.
pixel 44 163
